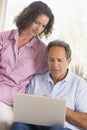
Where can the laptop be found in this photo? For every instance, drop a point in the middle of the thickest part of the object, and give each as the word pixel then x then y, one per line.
pixel 39 110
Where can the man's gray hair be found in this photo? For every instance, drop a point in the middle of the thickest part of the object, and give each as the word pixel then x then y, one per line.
pixel 59 43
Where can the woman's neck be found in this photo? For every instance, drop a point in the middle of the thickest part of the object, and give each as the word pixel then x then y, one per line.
pixel 24 38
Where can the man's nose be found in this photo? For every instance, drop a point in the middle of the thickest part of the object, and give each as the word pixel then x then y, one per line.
pixel 55 64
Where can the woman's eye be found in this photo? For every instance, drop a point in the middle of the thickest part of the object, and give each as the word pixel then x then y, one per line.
pixel 37 22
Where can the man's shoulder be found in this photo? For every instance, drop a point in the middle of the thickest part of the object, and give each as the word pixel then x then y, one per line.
pixel 79 80
pixel 41 76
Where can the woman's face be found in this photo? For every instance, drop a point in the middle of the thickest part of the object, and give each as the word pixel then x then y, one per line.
pixel 38 25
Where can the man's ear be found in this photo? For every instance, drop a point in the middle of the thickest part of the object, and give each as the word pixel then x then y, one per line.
pixel 69 60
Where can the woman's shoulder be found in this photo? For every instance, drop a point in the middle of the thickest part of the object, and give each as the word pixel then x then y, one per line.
pixel 40 42
pixel 7 33
pixel 39 45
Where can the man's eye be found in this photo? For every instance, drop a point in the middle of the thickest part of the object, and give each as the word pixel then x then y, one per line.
pixel 51 60
pixel 59 60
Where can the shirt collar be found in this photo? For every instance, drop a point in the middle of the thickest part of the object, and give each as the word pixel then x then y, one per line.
pixel 14 35
pixel 47 77
pixel 33 43
pixel 68 76
pixel 66 79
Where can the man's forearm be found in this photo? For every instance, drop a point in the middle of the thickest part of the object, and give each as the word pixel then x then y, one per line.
pixel 76 118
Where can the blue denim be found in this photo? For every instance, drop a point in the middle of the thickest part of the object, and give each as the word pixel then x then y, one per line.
pixel 22 126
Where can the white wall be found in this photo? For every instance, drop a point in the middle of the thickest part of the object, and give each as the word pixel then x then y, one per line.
pixel 3 4
pixel 70 24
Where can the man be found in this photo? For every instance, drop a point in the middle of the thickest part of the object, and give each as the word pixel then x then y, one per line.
pixel 59 82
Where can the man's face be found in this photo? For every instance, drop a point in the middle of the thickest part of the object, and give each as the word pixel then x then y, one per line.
pixel 57 63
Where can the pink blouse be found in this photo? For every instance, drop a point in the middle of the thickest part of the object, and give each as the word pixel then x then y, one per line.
pixel 17 66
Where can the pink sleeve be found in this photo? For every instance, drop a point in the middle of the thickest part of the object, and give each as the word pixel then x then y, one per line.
pixel 43 67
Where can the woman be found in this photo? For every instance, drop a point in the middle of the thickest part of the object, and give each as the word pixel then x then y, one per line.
pixel 22 54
